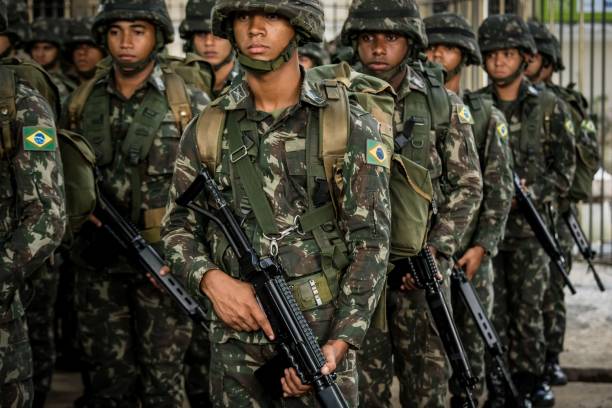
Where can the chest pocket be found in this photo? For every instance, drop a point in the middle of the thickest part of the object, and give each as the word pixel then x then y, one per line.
pixel 164 149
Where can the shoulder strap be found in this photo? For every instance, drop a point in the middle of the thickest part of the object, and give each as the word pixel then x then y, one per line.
pixel 79 97
pixel 547 101
pixel 8 110
pixel 334 125
pixel 437 98
pixel 176 92
pixel 209 130
pixel 481 108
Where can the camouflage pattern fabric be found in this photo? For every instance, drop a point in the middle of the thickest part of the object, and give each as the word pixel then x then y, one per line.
pixel 146 335
pixel 423 370
pixel 46 30
pixel 197 362
pixel 32 186
pixel 316 52
pixel 543 39
pixel 453 29
pixel 364 220
pixel 197 18
pixel 505 31
pixel 64 85
pixel 400 16
pixel 18 28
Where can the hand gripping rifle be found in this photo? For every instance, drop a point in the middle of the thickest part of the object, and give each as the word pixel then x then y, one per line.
pixel 583 244
pixel 425 273
pixel 129 238
pixel 538 226
pixel 294 338
pixel 493 345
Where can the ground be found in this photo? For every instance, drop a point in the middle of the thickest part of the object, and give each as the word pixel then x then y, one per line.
pixel 587 357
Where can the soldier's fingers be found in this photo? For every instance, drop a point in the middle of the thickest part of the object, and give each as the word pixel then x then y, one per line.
pixel 295 383
pixel 330 361
pixel 92 218
pixel 262 321
pixel 462 261
pixel 164 270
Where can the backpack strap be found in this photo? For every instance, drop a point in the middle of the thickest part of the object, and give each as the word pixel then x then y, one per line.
pixel 209 131
pixel 176 94
pixel 481 108
pixel 8 110
pixel 334 126
pixel 79 97
pixel 547 100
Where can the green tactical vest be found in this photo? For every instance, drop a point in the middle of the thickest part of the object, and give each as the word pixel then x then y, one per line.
pixel 481 107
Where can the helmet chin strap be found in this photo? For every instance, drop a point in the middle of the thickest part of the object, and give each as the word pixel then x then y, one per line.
pixel 261 67
pixel 133 68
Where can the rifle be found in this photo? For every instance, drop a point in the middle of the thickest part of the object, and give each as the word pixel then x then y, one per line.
pixel 129 238
pixel 493 345
pixel 583 244
pixel 297 344
pixel 543 235
pixel 425 273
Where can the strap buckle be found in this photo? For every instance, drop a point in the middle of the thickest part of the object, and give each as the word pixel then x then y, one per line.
pixel 242 151
pixel 276 238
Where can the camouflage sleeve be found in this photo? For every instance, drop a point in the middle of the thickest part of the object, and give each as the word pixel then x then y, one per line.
pixel 39 188
pixel 461 183
pixel 498 187
pixel 182 228
pixel 560 153
pixel 365 218
pixel 199 100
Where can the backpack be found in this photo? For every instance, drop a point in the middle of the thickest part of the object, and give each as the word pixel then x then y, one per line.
pixel 410 184
pixel 194 70
pixel 481 107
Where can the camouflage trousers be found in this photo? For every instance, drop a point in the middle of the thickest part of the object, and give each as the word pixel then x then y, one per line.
pixel 554 298
pixel 521 278
pixel 133 338
pixel 234 384
pixel 16 389
pixel 411 349
pixel 40 313
pixel 467 327
pixel 197 362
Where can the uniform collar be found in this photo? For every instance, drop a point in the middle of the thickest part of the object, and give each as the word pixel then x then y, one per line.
pixel 412 82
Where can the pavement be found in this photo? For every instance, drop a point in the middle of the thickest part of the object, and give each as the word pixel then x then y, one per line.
pixel 587 358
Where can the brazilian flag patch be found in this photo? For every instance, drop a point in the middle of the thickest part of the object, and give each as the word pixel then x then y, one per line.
pixel 588 125
pixel 465 116
pixel 502 131
pixel 569 126
pixel 377 154
pixel 39 139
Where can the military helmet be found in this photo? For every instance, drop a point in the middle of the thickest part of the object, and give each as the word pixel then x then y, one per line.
pixel 197 18
pixel 154 11
pixel 558 63
pixel 452 29
pixel 543 39
pixel 50 30
pixel 18 27
pixel 316 52
pixel 505 31
pixel 398 16
pixel 3 18
pixel 79 32
pixel 306 16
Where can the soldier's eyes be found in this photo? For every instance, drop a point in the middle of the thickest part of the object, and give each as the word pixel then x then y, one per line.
pixel 391 37
pixel 272 16
pixel 366 37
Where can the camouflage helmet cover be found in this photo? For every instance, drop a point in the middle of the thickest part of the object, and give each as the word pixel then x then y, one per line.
pixel 79 32
pixel 316 52
pixel 452 29
pixel 306 16
pixel 558 63
pixel 399 16
pixel 154 11
pixel 543 39
pixel 505 31
pixel 50 30
pixel 3 19
pixel 197 18
pixel 18 27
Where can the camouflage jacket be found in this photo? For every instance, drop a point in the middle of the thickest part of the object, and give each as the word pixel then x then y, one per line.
pixel 454 169
pixel 31 197
pixel 279 150
pixel 64 85
pixel 543 153
pixel 487 228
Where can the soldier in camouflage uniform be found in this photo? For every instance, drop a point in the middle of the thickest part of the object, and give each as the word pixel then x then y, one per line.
pixel 196 30
pixel 312 55
pixel 82 50
pixel 45 47
pixel 18 30
pixel 278 119
pixel 453 44
pixel 133 336
pixel 386 39
pixel 32 186
pixel 542 145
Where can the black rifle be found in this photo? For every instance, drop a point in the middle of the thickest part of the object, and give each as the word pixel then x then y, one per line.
pixel 297 344
pixel 425 273
pixel 463 286
pixel 583 244
pixel 543 235
pixel 129 238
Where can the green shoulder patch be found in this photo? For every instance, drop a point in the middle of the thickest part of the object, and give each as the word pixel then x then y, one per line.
pixel 377 154
pixel 465 116
pixel 502 132
pixel 588 126
pixel 39 139
pixel 569 126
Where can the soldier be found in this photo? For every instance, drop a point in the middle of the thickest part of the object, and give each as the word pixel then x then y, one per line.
pixel 133 336
pixel 453 44
pixel 313 55
pixel 196 30
pixel 387 39
pixel 18 30
pixel 541 142
pixel 282 124
pixel 45 47
pixel 82 49
pixel 544 58
pixel 587 157
pixel 33 214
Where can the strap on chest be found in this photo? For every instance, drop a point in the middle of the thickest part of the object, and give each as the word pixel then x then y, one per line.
pixel 8 111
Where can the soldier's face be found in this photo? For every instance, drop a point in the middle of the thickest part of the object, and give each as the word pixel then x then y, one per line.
pixel 5 44
pixel 447 55
pixel 211 48
pixel 381 52
pixel 306 62
pixel 44 53
pixel 131 41
pixel 534 63
pixel 86 56
pixel 547 73
pixel 503 63
pixel 262 36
